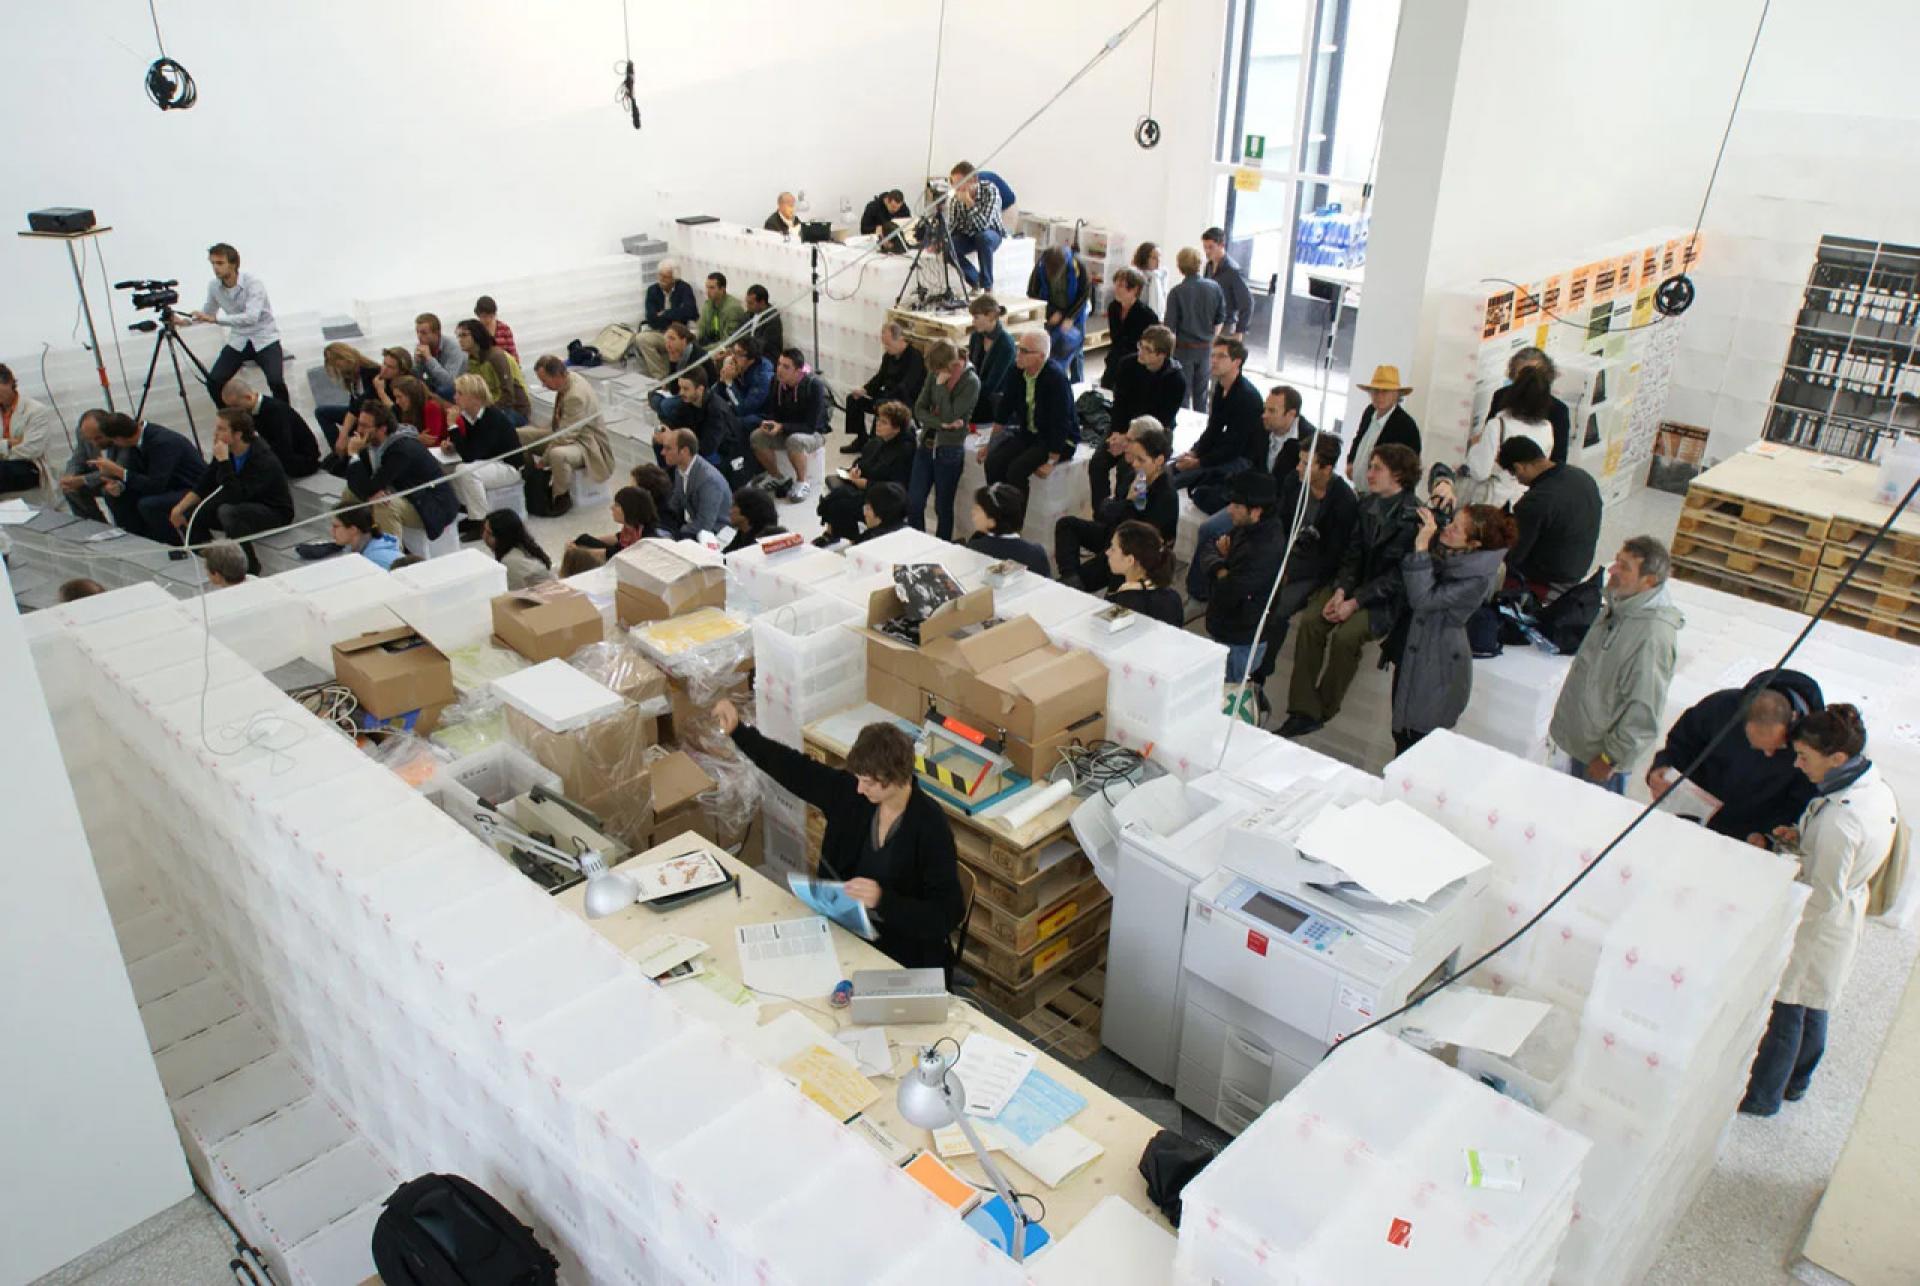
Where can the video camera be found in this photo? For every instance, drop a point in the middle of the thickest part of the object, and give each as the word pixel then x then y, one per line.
pixel 152 294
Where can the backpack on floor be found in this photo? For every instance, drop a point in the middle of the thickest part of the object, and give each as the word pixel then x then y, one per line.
pixel 579 354
pixel 613 341
pixel 537 485
pixel 440 1230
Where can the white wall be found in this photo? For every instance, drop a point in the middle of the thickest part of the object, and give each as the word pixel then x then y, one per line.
pixel 365 149
pixel 90 1148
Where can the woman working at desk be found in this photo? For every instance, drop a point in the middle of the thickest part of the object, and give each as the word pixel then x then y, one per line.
pixel 885 837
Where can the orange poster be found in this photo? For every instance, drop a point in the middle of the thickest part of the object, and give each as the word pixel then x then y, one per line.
pixel 1551 291
pixel 1526 306
pixel 1649 265
pixel 1603 282
pixel 1623 280
pixel 1579 285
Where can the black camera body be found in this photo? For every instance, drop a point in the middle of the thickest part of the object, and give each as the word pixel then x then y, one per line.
pixel 152 294
pixel 816 231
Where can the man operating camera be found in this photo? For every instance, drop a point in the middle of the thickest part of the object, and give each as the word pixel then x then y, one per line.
pixel 238 301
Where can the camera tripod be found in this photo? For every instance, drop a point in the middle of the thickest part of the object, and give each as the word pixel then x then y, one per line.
pixel 169 340
pixel 947 298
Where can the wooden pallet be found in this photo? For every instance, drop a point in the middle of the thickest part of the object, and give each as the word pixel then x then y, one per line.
pixel 1743 565
pixel 923 328
pixel 1759 591
pixel 1019 1002
pixel 1907 631
pixel 1027 896
pixel 1714 528
pixel 1838 556
pixel 1794 524
pixel 1014 865
pixel 1897 547
pixel 1067 1023
pixel 1867 597
pixel 1012 968
pixel 1021 933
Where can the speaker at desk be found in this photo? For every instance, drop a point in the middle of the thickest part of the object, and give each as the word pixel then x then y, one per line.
pixel 899 996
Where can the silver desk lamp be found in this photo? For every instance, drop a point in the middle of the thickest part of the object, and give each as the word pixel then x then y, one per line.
pixel 608 892
pixel 932 1098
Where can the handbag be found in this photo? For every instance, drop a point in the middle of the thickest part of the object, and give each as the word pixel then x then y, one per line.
pixel 536 483
pixel 614 340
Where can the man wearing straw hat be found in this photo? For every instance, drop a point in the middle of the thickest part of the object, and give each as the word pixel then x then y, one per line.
pixel 1384 421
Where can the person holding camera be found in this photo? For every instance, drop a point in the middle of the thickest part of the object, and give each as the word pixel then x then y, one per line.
pixel 239 302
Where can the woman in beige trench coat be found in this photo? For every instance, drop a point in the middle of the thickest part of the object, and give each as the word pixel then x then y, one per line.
pixel 1843 837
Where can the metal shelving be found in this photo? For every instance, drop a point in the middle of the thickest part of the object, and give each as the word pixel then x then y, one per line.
pixel 1852 373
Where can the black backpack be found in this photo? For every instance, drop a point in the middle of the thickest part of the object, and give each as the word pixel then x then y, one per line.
pixel 1096 418
pixel 536 486
pixel 440 1230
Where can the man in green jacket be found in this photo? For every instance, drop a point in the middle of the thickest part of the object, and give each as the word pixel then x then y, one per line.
pixel 1610 706
pixel 720 315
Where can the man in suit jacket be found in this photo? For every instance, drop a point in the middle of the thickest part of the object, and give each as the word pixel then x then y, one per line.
pixel 279 426
pixel 700 500
pixel 1232 437
pixel 902 372
pixel 1279 455
pixel 1042 429
pixel 245 486
pixel 80 482
pixel 382 459
pixel 576 438
pixel 156 467
pixel 1384 421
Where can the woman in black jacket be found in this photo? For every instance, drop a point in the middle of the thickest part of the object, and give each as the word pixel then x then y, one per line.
pixel 886 838
pixel 1142 563
pixel 887 456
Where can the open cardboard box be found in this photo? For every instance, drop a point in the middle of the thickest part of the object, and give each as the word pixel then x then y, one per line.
pixel 1034 758
pixel 889 655
pixel 546 621
pixel 392 672
pixel 660 578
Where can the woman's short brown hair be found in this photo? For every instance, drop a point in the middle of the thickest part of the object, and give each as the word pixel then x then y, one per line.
pixel 882 752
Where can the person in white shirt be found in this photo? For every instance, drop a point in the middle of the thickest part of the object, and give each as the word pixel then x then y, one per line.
pixel 26 439
pixel 1526 412
pixel 238 301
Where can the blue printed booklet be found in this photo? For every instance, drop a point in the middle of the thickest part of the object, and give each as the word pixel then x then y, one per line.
pixel 992 1220
pixel 829 898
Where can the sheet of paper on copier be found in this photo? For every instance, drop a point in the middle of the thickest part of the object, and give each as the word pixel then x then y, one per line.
pixel 1390 850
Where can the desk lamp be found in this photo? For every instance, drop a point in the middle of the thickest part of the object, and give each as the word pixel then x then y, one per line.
pixel 932 1098
pixel 607 893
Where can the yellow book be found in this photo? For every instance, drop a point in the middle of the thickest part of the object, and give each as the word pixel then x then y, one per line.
pixel 831 1081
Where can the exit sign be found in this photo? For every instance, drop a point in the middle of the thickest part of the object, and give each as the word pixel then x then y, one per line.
pixel 1256 148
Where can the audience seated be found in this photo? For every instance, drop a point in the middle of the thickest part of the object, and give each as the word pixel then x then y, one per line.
pixel 145 478
pixel 80 587
pixel 1039 426
pixel 352 530
pixel 1286 429
pixel 712 420
pixel 1366 598
pixel 1195 310
pixel 1558 520
pixel 973 219
pixel 795 421
pixel 942 416
pixel 1245 571
pixel 999 512
pixel 383 458
pixel 753 516
pixel 1324 535
pixel 514 546
pixel 1150 497
pixel 224 563
pixel 990 351
pixel 356 375
pixel 1383 421
pixel 887 456
pixel 720 315
pixel 486 443
pixel 769 332
pixel 885 511
pixel 279 426
pixel 668 300
pixel 902 372
pixel 701 498
pixel 487 313
pixel 682 354
pixel 1128 318
pixel 785 218
pixel 506 382
pixel 1140 567
pixel 1059 278
pixel 746 380
pixel 81 482
pixel 657 482
pixel 1149 383
pixel 421 409
pixel 1233 436
pixel 635 519
pixel 245 489
pixel 576 439
pixel 26 439
pixel 437 358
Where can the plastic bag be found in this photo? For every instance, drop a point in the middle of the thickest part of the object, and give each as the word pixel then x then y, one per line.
pixel 734 801
pixel 704 650
pixel 617 664
pixel 413 759
pixel 474 722
pixel 602 765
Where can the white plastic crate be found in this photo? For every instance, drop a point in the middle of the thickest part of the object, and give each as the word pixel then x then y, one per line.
pixel 450 598
pixel 568 1052
pixel 497 773
pixel 1162 676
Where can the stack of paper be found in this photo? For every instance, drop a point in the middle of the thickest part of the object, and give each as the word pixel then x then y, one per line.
pixel 1390 850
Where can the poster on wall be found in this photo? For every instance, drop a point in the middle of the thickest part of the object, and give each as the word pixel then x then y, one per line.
pixel 1679 450
pixel 1499 316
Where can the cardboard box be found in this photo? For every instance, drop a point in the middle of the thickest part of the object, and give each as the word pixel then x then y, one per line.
pixel 1036 758
pixel 546 621
pixel 663 578
pixel 952 665
pixel 890 655
pixel 602 767
pixel 678 783
pixel 693 723
pixel 895 695
pixel 1037 693
pixel 393 671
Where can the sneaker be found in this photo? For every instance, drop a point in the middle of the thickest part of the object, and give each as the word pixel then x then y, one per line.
pixel 314 550
pixel 1749 1108
pixel 825 539
pixel 797 493
pixel 1795 1092
pixel 1299 725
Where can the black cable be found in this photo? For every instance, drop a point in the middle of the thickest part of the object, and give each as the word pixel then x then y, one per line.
pixel 1738 720
pixel 170 86
pixel 623 94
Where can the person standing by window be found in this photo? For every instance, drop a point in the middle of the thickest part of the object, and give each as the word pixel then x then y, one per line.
pixel 1196 308
pixel 1225 273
